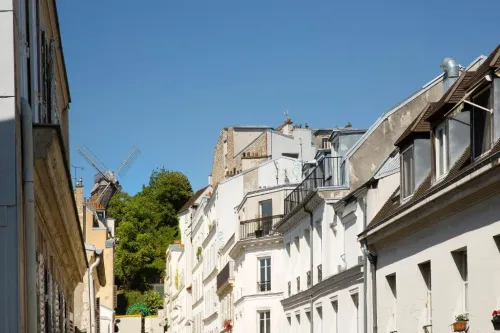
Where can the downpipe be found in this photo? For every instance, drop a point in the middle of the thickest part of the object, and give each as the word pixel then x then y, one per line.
pixel 92 294
pixel 29 213
pixel 373 261
pixel 311 257
pixel 365 272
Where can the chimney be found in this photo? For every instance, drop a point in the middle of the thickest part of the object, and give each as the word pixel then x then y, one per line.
pixel 451 72
pixel 288 127
pixel 79 196
pixel 209 179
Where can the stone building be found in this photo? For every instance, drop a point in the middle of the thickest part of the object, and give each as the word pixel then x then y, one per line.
pixel 39 228
pixel 240 148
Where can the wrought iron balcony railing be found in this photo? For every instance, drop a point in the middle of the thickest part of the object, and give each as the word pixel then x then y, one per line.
pixel 289 288
pixel 320 273
pixel 309 280
pixel 260 227
pixel 298 284
pixel 264 286
pixel 330 171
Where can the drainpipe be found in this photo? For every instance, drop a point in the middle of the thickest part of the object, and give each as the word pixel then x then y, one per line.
pixel 311 255
pixel 92 293
pixel 84 223
pixel 29 212
pixel 365 273
pixel 373 262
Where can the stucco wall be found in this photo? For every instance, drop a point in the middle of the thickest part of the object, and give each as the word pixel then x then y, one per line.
pixel 129 324
pixel 380 143
pixel 473 228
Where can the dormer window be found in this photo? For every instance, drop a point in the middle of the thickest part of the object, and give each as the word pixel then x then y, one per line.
pixel 407 174
pixel 481 122
pixel 324 143
pixel 441 148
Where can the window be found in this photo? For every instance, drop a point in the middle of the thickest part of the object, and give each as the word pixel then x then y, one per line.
pixel 318 322
pixel 393 296
pixel 481 123
pixel 265 274
pixel 266 208
pixel 355 313
pixel 324 143
pixel 460 258
pixel 265 322
pixel 441 147
pixel 335 306
pixel 408 180
pixel 425 269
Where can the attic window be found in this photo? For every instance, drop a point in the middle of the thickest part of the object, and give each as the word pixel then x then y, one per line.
pixel 324 143
pixel 407 174
pixel 481 123
pixel 441 148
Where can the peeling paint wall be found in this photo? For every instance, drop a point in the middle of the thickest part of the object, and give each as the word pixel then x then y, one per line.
pixel 380 143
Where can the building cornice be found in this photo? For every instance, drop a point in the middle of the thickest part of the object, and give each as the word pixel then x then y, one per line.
pixel 330 285
pixel 259 296
pixel 210 276
pixel 253 243
pixel 209 237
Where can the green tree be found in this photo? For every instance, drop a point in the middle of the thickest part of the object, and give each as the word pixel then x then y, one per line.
pixel 146 224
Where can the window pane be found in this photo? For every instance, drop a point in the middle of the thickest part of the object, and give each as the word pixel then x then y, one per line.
pixel 408 172
pixel 266 208
pixel 268 322
pixel 481 123
pixel 268 277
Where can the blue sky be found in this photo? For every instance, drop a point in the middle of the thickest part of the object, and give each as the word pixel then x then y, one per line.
pixel 168 75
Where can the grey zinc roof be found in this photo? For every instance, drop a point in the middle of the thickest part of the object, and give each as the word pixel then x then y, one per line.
pixel 389 167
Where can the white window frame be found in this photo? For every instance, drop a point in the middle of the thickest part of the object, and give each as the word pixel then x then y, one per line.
pixel 324 143
pixel 483 109
pixel 442 156
pixel 259 313
pixel 465 279
pixel 404 171
pixel 267 268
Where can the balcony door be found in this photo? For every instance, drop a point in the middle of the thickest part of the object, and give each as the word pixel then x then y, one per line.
pixel 266 213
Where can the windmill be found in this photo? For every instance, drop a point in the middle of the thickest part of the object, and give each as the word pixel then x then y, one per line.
pixel 106 183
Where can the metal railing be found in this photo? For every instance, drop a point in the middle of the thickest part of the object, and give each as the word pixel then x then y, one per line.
pixel 289 288
pixel 264 286
pixel 225 274
pixel 298 284
pixel 320 273
pixel 330 171
pixel 259 227
pixel 309 280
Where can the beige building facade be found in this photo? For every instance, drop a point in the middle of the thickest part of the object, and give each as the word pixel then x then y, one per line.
pixel 39 227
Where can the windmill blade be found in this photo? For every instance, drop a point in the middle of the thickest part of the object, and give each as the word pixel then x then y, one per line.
pixel 127 162
pixel 102 193
pixel 94 161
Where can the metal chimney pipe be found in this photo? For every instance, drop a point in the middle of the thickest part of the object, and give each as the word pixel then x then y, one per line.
pixel 451 72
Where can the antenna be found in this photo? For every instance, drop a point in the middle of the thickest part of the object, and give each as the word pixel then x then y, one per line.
pixel 286 114
pixel 74 172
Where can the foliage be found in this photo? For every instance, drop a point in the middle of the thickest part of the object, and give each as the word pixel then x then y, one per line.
pixel 461 317
pixel 198 252
pixel 176 279
pixel 146 224
pixel 150 299
pixel 228 326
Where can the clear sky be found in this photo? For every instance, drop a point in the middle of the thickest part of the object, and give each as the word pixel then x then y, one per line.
pixel 168 75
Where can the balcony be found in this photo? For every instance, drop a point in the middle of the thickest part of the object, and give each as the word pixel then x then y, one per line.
pixel 330 171
pixel 264 286
pixel 309 280
pixel 289 288
pixel 298 284
pixel 320 273
pixel 225 277
pixel 260 227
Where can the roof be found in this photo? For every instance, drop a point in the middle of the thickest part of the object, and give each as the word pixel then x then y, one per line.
pixel 419 125
pixel 492 61
pixel 452 96
pixel 193 199
pixel 388 113
pixel 286 122
pixel 389 167
pixel 393 205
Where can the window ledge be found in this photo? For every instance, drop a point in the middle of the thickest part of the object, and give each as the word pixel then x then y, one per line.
pixel 406 199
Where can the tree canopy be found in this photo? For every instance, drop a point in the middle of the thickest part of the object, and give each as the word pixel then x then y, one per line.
pixel 146 224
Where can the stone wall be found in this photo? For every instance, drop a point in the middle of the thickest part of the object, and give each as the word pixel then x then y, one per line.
pixel 256 149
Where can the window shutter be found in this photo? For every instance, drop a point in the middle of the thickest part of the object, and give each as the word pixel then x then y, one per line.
pixel 52 82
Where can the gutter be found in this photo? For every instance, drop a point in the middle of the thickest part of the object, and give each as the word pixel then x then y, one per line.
pixel 92 291
pixel 29 213
pixel 373 262
pixel 311 256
